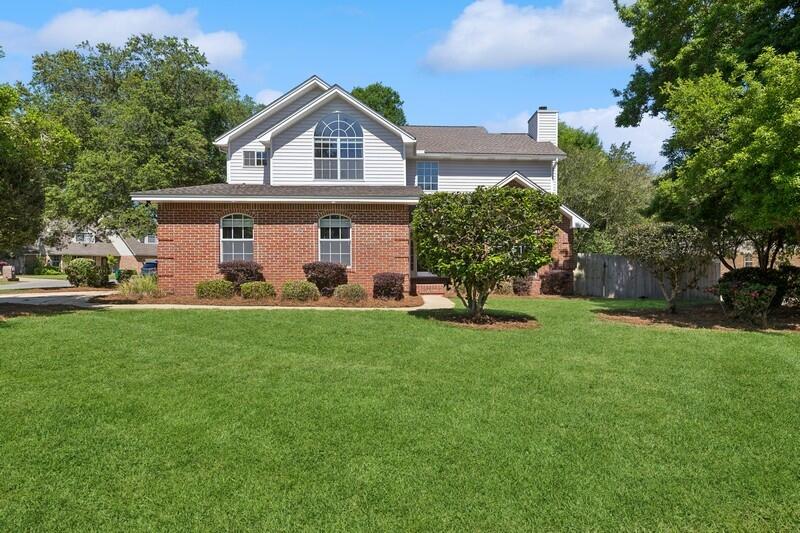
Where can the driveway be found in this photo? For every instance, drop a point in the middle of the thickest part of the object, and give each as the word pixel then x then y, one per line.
pixel 34 283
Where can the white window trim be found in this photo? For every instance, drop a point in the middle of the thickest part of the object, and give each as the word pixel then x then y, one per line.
pixel 416 174
pixel 338 141
pixel 221 240
pixel 319 237
pixel 256 156
pixel 92 241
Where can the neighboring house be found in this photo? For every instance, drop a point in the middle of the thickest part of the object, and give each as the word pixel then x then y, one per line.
pixel 747 258
pixel 131 253
pixel 317 175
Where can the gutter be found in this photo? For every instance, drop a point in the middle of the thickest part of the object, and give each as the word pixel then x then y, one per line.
pixel 407 200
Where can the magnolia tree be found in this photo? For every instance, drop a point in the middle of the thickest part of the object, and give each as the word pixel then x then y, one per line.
pixel 479 239
pixel 675 254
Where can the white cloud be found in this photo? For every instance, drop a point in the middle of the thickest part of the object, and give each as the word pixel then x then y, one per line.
pixel 646 139
pixel 115 26
pixel 493 34
pixel 267 95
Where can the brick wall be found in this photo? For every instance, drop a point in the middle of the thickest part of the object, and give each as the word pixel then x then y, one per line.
pixel 285 236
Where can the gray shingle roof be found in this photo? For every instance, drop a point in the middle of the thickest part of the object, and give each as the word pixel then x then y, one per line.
pixel 288 191
pixel 141 249
pixel 477 140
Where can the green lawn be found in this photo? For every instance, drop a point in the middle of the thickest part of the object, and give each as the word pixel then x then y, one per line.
pixel 286 420
pixel 44 276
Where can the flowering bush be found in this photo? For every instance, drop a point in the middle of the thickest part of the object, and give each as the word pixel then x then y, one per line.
pixel 746 300
pixel 792 276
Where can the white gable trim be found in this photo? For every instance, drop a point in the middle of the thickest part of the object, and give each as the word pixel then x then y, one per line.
pixel 223 140
pixel 266 137
pixel 577 221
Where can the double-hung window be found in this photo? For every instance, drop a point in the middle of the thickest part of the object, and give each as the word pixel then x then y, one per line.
pixel 236 238
pixel 428 175
pixel 334 239
pixel 254 158
pixel 338 149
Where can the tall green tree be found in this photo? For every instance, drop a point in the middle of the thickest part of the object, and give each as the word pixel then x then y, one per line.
pixel 382 99
pixel 739 164
pixel 146 114
pixel 609 188
pixel 691 38
pixel 33 147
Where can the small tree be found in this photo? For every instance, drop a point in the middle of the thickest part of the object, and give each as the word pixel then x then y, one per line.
pixel 673 253
pixel 482 238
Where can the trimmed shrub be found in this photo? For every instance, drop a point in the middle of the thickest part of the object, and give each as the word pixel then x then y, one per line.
pixel 214 288
pixel 388 285
pixel 753 275
pixel 238 272
pixel 82 272
pixel 140 286
pixel 124 275
pixel 504 288
pixel 326 276
pixel 792 276
pixel 522 285
pixel 301 291
pixel 350 292
pixel 257 290
pixel 557 282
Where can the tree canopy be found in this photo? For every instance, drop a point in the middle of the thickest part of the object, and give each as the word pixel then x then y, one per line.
pixel 673 253
pixel 146 114
pixel 33 147
pixel 382 99
pixel 608 188
pixel 481 238
pixel 692 38
pixel 739 163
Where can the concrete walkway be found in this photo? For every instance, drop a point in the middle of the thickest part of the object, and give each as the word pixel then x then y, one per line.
pixel 81 299
pixel 34 283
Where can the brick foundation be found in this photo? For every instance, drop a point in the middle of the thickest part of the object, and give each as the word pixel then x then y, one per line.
pixel 285 237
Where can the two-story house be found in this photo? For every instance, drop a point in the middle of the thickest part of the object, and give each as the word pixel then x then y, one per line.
pixel 317 175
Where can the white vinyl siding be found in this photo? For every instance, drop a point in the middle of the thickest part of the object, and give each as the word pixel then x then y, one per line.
pixel 465 175
pixel 292 161
pixel 237 171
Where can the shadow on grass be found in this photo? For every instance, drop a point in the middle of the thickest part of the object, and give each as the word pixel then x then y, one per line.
pixel 698 315
pixel 494 319
pixel 20 310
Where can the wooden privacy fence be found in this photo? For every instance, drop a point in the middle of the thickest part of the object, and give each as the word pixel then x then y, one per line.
pixel 615 276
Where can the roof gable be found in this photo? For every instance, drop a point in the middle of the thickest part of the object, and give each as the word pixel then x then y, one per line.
pixel 314 81
pixel 519 179
pixel 327 96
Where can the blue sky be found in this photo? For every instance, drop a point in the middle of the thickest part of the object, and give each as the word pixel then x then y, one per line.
pixel 488 62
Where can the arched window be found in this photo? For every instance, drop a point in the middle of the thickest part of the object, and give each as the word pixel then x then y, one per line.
pixel 338 149
pixel 236 237
pixel 334 239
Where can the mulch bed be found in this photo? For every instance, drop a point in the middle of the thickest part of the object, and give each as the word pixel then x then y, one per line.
pixel 408 301
pixel 702 316
pixel 491 320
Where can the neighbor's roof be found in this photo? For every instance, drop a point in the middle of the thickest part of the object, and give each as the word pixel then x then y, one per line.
pixel 477 140
pixel 79 249
pixel 140 249
pixel 231 192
